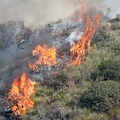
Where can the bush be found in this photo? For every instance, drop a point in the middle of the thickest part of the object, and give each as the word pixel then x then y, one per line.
pixel 62 77
pixel 108 70
pixel 115 26
pixel 101 38
pixel 101 96
pixel 57 81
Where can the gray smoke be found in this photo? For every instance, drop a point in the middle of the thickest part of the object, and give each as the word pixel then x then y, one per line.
pixel 108 7
pixel 35 12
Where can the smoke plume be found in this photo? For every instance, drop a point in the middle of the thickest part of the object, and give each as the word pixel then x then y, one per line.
pixel 35 12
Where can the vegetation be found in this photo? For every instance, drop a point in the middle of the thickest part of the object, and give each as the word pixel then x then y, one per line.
pixel 101 96
pixel 90 91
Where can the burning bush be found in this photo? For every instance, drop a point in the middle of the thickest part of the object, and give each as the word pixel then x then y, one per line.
pixel 19 95
pixel 47 56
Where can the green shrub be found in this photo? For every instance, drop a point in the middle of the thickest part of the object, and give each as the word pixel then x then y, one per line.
pixel 108 70
pixel 101 38
pixel 62 77
pixel 115 26
pixel 100 96
pixel 74 74
pixel 57 81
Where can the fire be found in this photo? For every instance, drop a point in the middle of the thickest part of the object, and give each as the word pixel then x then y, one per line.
pixel 46 56
pixel 19 94
pixel 55 33
pixel 83 9
pixel 78 50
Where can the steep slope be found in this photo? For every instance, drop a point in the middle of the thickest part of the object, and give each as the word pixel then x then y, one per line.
pixel 88 91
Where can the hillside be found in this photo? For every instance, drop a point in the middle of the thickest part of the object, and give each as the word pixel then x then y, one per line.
pixel 67 69
pixel 75 65
pixel 90 91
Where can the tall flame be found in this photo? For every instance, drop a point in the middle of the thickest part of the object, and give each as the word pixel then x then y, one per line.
pixel 19 95
pixel 47 56
pixel 78 50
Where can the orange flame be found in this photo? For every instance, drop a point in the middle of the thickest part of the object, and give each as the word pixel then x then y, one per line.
pixel 56 33
pixel 78 49
pixel 19 94
pixel 47 56
pixel 53 33
pixel 83 9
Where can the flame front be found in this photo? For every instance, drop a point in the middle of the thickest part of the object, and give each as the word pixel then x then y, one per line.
pixel 78 49
pixel 77 52
pixel 19 95
pixel 46 56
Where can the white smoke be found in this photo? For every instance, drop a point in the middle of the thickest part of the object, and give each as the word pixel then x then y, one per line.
pixel 74 36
